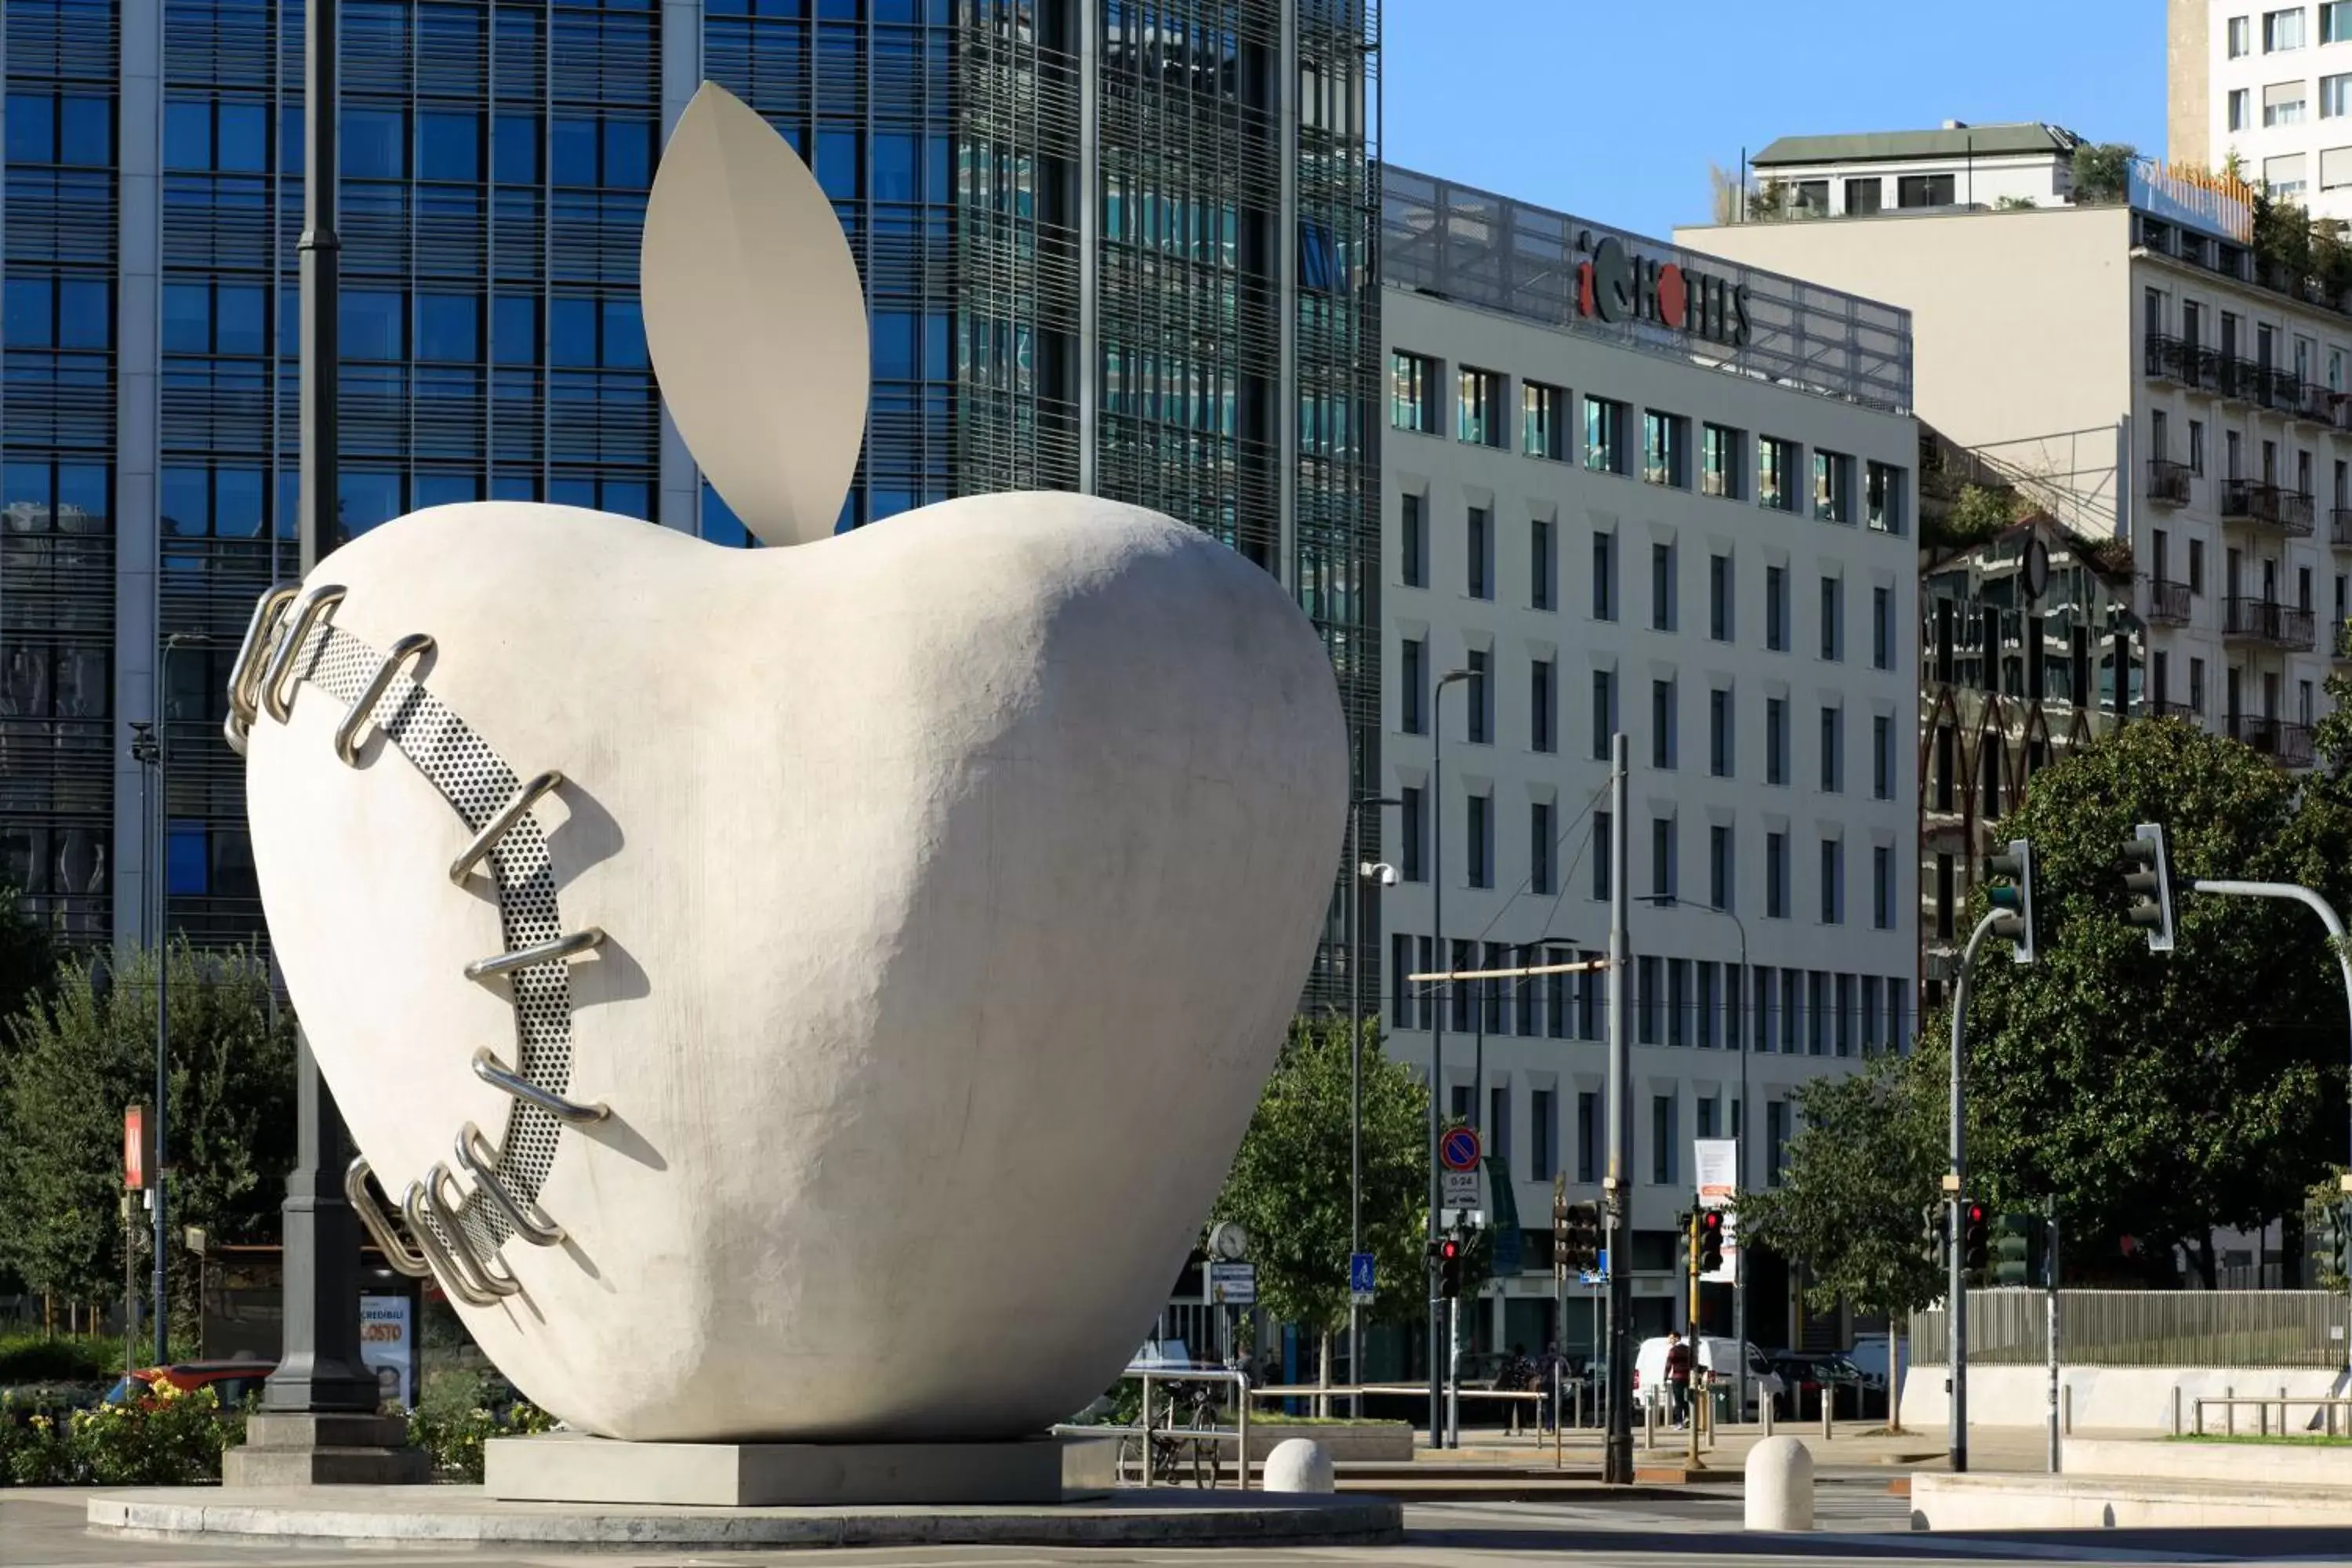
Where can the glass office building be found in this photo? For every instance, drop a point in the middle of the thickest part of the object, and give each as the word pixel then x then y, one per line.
pixel 1121 245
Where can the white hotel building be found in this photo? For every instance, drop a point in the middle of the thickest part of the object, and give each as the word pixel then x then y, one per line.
pixel 1629 486
pixel 2270 82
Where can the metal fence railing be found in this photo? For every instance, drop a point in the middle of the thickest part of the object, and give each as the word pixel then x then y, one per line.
pixel 2146 1328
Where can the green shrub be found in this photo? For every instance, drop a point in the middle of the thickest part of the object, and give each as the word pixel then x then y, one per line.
pixel 458 1415
pixel 32 1359
pixel 169 1439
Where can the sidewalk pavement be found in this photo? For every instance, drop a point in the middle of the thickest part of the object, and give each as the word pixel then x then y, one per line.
pixel 1853 1444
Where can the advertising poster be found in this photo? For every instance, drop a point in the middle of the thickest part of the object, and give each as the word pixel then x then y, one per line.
pixel 388 1346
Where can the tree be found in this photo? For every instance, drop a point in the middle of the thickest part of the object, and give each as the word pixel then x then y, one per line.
pixel 77 1057
pixel 2161 1095
pixel 2102 171
pixel 27 958
pixel 1288 1186
pixel 1868 1161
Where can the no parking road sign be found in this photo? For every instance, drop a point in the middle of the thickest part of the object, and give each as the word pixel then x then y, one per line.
pixel 1458 1150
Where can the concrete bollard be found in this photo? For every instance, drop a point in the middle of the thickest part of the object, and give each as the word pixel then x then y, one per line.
pixel 1780 1485
pixel 1298 1465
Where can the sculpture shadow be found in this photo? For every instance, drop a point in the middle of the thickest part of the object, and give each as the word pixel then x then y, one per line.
pixel 615 1133
pixel 588 834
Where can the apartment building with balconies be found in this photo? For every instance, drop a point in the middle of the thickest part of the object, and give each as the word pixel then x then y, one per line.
pixel 2269 84
pixel 2139 373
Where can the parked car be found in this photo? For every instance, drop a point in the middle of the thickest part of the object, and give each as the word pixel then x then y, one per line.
pixel 1719 1357
pixel 1852 1392
pixel 232 1382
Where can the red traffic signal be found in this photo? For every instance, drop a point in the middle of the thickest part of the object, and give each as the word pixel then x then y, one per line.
pixel 1710 1240
pixel 1449 1267
pixel 1975 1235
pixel 1449 1249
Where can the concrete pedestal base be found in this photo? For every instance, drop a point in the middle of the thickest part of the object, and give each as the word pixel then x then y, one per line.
pixel 563 1466
pixel 325 1450
pixel 462 1516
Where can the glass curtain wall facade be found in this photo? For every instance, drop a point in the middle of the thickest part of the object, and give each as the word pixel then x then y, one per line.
pixel 1121 245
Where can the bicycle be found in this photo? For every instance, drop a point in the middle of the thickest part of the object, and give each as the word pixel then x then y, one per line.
pixel 1167 1449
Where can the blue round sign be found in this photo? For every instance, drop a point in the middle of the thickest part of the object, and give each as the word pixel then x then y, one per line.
pixel 1459 1149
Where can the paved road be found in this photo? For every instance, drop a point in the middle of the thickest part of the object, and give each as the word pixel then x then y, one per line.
pixel 1861 1524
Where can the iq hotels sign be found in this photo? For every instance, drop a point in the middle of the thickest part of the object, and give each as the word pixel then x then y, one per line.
pixel 1615 285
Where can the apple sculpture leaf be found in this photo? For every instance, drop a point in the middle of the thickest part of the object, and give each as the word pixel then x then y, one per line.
pixel 790 994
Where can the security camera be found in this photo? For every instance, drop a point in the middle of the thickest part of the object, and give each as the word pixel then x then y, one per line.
pixel 1378 872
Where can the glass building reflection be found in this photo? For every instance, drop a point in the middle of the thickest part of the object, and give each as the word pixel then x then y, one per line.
pixel 1113 245
pixel 2029 647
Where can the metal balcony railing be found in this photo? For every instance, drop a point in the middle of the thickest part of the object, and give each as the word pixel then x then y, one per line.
pixel 2288 744
pixel 2289 511
pixel 2267 621
pixel 2167 601
pixel 2164 708
pixel 2168 481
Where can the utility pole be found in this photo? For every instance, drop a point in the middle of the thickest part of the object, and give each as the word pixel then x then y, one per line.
pixel 1617 1453
pixel 318 1422
pixel 1438 1334
pixel 2050 1301
pixel 1956 1297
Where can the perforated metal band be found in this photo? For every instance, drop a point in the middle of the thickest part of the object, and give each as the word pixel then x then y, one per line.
pixel 476 781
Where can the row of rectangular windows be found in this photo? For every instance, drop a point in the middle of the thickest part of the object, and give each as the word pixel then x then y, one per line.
pixel 1665 720
pixel 1677 1001
pixel 1715 1116
pixel 1479 549
pixel 1546 840
pixel 1416 404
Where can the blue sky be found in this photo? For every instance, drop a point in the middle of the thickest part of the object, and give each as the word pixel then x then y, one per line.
pixel 1614 111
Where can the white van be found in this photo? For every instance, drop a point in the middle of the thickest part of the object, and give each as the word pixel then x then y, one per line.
pixel 1719 1357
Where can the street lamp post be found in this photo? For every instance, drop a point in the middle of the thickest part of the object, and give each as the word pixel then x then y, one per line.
pixel 151 746
pixel 1739 1135
pixel 1437 1347
pixel 1358 874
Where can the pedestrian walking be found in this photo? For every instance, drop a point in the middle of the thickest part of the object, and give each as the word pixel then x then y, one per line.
pixel 1678 1377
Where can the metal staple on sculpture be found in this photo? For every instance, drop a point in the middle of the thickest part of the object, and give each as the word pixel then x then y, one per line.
pixel 492 800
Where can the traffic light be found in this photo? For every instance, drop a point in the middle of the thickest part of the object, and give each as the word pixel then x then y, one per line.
pixel 1581 1247
pixel 1559 1260
pixel 2147 873
pixel 1935 1232
pixel 1710 1240
pixel 2012 897
pixel 2012 1262
pixel 1975 1228
pixel 1449 1266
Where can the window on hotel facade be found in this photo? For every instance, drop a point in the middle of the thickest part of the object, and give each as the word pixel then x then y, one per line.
pixel 1832 487
pixel 1412 393
pixel 2241 36
pixel 2242 101
pixel 1604 434
pixel 1478 552
pixel 1865 196
pixel 2335 22
pixel 1883 495
pixel 1543 566
pixel 2283 103
pixel 1543 420
pixel 1412 542
pixel 1719 446
pixel 2282 30
pixel 2335 174
pixel 1776 608
pixel 1776 473
pixel 2287 175
pixel 1665 442
pixel 2334 96
pixel 1924 190
pixel 1479 407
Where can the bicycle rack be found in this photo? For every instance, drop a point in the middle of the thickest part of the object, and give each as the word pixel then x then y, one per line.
pixel 452 1233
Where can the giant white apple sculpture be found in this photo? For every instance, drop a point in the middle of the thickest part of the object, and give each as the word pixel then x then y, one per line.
pixel 797 994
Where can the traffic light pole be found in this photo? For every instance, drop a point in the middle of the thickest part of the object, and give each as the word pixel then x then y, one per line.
pixel 1955 1299
pixel 1617 1450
